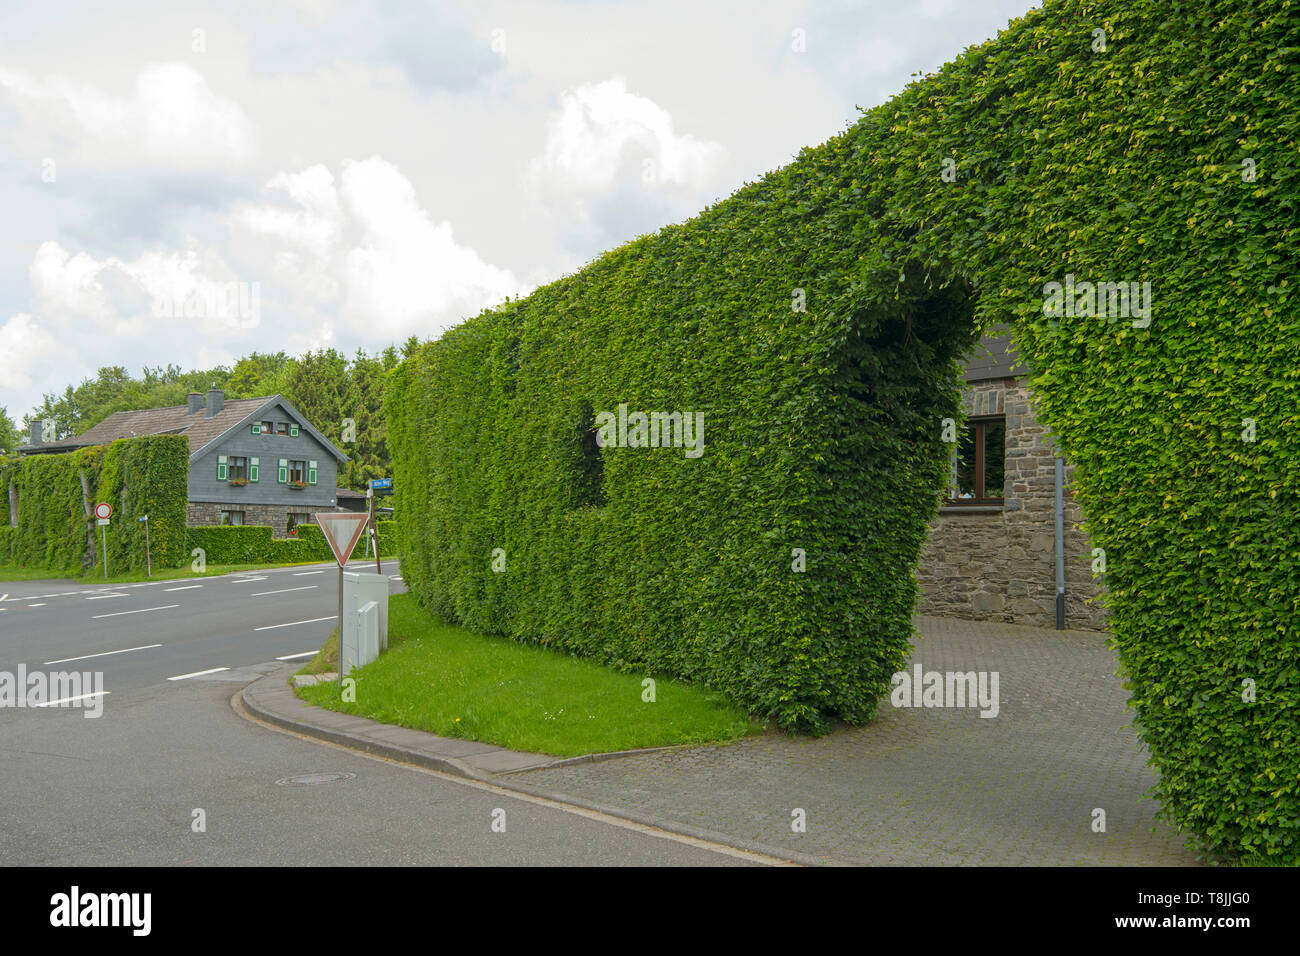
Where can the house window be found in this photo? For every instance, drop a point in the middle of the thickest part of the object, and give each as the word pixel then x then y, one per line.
pixel 232 517
pixel 268 428
pixel 282 428
pixel 238 468
pixel 980 466
pixel 297 471
pixel 291 526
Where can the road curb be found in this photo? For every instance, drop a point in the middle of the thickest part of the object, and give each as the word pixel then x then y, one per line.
pixel 270 699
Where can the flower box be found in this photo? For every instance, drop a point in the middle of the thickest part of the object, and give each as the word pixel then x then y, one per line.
pixel 238 482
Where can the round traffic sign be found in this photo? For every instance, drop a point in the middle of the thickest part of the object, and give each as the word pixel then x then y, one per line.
pixel 103 510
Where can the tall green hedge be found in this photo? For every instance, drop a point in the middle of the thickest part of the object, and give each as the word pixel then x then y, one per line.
pixel 55 528
pixel 1136 141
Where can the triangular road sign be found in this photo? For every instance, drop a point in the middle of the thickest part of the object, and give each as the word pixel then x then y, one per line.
pixel 342 531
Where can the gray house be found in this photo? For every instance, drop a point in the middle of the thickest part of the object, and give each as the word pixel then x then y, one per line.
pixel 252 460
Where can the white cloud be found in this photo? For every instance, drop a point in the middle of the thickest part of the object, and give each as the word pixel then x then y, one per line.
pixel 172 117
pixel 366 247
pixel 599 124
pixel 23 346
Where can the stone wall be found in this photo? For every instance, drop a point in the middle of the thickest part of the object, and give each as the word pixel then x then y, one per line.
pixel 1000 564
pixel 277 516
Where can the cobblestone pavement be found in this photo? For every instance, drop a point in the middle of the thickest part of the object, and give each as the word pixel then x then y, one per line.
pixel 938 786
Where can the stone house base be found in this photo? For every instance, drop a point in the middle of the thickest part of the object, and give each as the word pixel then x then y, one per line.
pixel 277 516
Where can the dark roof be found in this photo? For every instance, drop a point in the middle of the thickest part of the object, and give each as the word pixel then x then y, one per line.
pixel 197 428
pixel 994 357
pixel 349 493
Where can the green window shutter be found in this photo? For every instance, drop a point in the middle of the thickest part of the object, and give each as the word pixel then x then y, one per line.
pixel 252 469
pixel 311 472
pixel 221 468
pixel 293 430
pixel 282 472
pixel 257 429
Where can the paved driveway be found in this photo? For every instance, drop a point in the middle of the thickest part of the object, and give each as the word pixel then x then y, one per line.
pixel 926 785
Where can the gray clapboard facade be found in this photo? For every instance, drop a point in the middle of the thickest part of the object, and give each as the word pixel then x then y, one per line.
pixel 254 461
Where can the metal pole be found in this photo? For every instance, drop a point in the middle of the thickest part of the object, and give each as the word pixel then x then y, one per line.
pixel 148 563
pixel 103 537
pixel 374 531
pixel 340 629
pixel 1060 544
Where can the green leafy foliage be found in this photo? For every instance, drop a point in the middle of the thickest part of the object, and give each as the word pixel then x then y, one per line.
pixel 55 494
pixel 254 544
pixel 1122 162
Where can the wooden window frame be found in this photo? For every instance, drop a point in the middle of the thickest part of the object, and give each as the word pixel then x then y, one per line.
pixel 982 498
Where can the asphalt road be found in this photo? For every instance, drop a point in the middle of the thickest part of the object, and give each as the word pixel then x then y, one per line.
pixel 199 624
pixel 123 788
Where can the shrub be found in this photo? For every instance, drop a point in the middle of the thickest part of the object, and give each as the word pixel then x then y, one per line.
pixel 1165 154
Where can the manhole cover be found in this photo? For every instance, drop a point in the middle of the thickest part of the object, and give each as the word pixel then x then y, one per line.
pixel 312 779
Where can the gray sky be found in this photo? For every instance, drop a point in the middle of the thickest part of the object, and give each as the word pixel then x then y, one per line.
pixel 362 172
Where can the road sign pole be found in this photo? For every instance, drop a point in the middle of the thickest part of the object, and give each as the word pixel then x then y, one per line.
pixel 103 536
pixel 148 562
pixel 374 532
pixel 340 629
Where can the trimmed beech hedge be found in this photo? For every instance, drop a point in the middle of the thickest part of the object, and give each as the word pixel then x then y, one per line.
pixel 1105 142
pixel 254 544
pixel 56 527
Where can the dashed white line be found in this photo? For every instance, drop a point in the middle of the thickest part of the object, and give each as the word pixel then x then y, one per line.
pixel 100 597
pixel 68 700
pixel 307 587
pixel 139 611
pixel 42 604
pixel 65 660
pixel 294 657
pixel 188 587
pixel 298 574
pixel 214 670
pixel 261 577
pixel 314 620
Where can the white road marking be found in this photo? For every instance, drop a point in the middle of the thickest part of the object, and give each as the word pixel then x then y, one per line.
pixel 214 670
pixel 394 577
pixel 188 587
pixel 140 611
pixel 298 574
pixel 68 700
pixel 314 620
pixel 100 597
pixel 294 657
pixel 65 660
pixel 307 587
pixel 261 577
pixel 42 604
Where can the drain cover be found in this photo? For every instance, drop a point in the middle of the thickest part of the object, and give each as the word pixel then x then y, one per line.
pixel 312 779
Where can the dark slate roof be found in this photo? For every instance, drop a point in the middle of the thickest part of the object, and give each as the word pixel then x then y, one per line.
pixel 994 357
pixel 197 428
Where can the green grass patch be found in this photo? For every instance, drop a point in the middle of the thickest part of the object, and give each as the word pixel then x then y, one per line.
pixel 455 683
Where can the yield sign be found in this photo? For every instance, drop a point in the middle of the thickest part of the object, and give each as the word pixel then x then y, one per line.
pixel 342 531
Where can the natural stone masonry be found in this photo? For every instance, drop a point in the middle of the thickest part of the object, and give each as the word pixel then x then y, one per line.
pixel 925 786
pixel 1001 565
pixel 276 516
